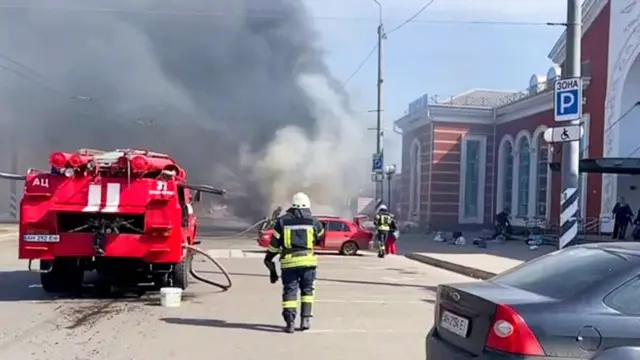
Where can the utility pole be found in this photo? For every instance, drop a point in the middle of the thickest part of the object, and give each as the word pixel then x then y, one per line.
pixel 569 201
pixel 380 107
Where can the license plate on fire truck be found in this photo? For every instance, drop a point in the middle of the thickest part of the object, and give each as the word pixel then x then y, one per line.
pixel 454 323
pixel 41 238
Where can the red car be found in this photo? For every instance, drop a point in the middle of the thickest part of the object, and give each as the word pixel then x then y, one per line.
pixel 342 235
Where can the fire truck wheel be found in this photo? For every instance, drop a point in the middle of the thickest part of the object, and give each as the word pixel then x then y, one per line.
pixel 180 275
pixel 65 276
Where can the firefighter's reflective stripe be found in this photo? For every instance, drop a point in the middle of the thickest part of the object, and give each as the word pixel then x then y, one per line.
pixel 290 304
pixel 292 257
pixel 306 299
pixel 320 233
pixel 274 245
pixel 287 237
pixel 383 222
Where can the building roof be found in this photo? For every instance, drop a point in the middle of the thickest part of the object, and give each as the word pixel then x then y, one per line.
pixel 480 98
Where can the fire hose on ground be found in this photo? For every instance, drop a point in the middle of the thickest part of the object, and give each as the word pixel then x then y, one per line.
pixel 224 271
pixel 197 276
pixel 241 232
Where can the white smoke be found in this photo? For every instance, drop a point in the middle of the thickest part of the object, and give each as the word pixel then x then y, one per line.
pixel 330 166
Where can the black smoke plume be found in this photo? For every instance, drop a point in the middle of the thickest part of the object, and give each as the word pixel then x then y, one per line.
pixel 237 91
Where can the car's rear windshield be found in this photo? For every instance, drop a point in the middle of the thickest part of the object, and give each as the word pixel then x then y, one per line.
pixel 565 273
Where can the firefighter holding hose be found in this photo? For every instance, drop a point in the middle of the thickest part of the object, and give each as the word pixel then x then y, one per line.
pixel 295 235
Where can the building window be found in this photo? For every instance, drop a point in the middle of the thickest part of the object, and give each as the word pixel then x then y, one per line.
pixel 415 177
pixel 542 174
pixel 507 176
pixel 472 179
pixel 524 169
pixel 472 171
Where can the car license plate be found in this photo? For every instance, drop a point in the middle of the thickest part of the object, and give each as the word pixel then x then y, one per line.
pixel 41 238
pixel 454 323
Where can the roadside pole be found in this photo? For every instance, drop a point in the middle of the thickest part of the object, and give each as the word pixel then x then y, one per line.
pixel 566 100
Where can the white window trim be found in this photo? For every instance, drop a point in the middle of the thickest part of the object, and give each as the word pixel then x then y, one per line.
pixel 533 198
pixel 584 144
pixel 501 171
pixel 482 183
pixel 415 153
pixel 516 221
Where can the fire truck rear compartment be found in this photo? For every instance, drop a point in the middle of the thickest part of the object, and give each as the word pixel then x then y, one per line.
pixel 77 222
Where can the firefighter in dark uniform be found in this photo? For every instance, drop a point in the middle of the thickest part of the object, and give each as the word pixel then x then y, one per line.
pixel 383 222
pixel 295 235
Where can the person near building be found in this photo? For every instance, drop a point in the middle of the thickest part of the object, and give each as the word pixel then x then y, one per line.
pixel 295 236
pixel 391 246
pixel 622 216
pixel 502 223
pixel 635 234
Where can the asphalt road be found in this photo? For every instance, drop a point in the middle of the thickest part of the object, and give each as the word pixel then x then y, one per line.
pixel 366 308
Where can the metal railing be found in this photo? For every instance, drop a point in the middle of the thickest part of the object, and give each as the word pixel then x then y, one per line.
pixel 490 98
pixel 590 230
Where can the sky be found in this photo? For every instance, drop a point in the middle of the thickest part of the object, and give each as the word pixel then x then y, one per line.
pixel 440 53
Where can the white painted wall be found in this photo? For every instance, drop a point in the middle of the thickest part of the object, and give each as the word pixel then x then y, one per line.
pixel 624 41
pixel 628 139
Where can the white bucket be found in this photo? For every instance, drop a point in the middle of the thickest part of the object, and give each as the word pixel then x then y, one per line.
pixel 170 297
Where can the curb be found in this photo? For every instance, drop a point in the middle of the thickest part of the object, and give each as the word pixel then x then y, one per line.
pixel 450 266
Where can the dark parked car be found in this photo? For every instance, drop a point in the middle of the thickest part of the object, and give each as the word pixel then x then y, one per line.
pixel 582 302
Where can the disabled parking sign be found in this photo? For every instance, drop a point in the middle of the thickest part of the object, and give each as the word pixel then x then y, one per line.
pixel 567 103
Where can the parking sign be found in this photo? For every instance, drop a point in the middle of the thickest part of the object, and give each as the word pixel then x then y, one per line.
pixel 567 103
pixel 377 163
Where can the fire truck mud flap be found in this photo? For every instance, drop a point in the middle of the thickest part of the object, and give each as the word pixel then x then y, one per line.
pixel 42 268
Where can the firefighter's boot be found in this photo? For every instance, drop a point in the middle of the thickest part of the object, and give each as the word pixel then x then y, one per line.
pixel 289 317
pixel 305 323
pixel 290 328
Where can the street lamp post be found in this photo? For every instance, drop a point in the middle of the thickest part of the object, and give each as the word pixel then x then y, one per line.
pixel 390 170
pixel 379 102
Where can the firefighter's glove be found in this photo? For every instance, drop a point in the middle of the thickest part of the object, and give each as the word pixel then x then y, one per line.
pixel 273 274
pixel 273 277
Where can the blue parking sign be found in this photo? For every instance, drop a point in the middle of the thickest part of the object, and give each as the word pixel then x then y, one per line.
pixel 377 163
pixel 567 103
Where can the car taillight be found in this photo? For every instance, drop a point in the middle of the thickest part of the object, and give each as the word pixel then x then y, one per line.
pixel 511 334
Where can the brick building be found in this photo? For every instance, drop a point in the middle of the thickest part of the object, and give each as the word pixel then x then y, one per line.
pixel 467 157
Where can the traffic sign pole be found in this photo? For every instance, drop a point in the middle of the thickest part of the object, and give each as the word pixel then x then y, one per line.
pixel 570 151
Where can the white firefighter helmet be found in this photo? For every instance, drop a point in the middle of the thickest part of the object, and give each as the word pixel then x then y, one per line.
pixel 382 207
pixel 300 201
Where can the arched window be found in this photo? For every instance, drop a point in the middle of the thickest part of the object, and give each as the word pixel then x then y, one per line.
pixel 524 169
pixel 506 184
pixel 542 174
pixel 415 172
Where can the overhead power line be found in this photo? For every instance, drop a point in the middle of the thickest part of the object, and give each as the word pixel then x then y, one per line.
pixel 613 124
pixel 375 47
pixel 259 14
pixel 412 17
pixel 360 66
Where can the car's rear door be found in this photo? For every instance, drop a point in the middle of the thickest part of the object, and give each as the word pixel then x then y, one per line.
pixel 337 232
pixel 622 328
